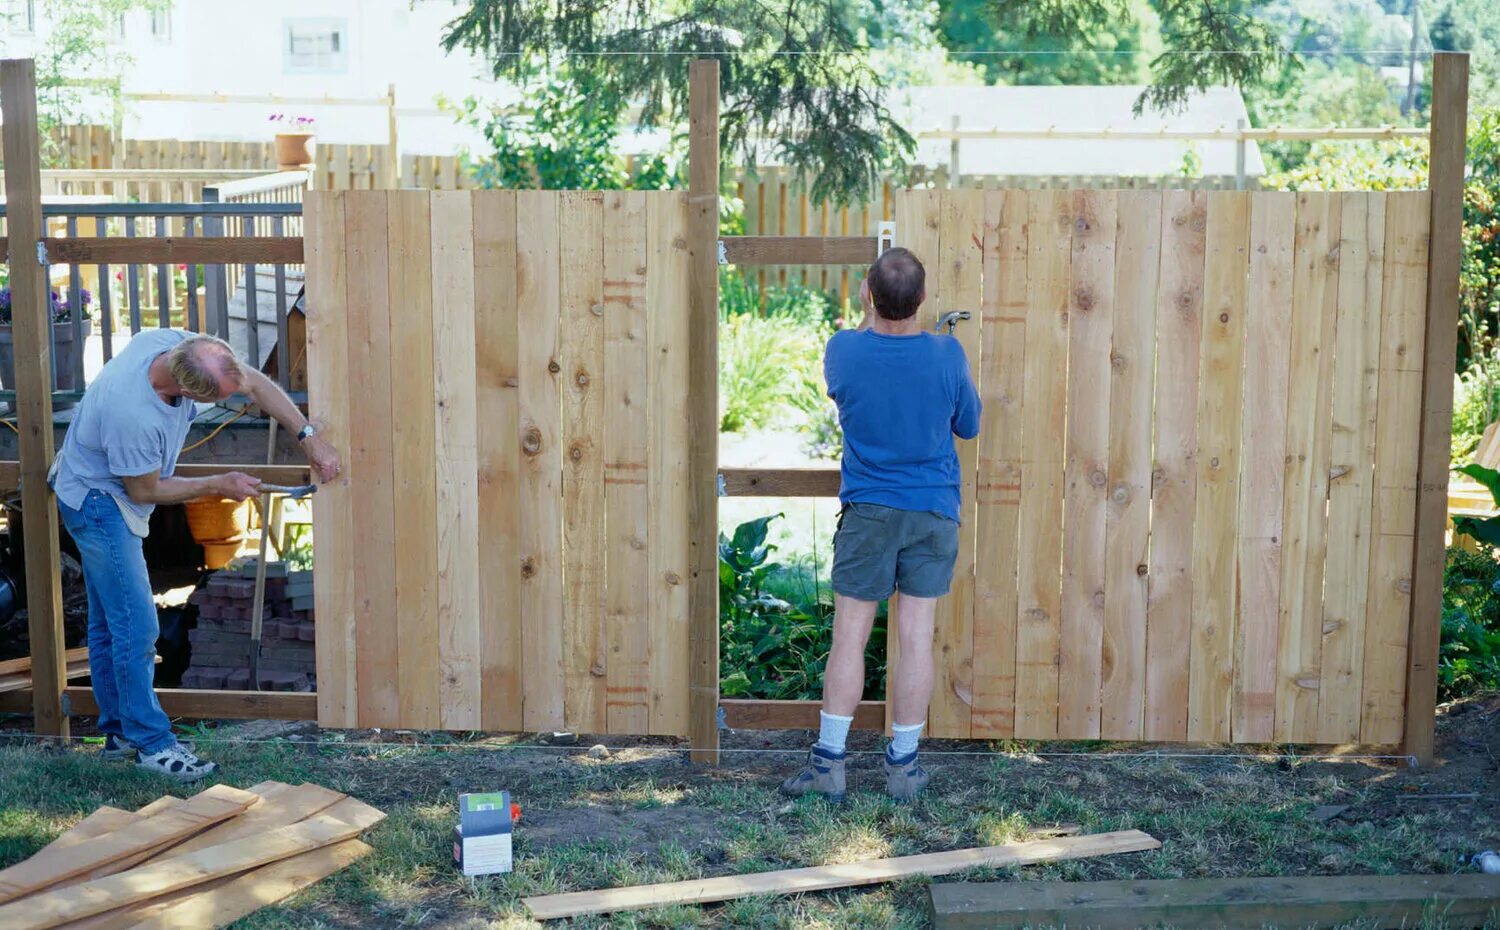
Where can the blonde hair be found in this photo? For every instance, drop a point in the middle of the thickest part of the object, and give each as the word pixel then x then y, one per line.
pixel 193 367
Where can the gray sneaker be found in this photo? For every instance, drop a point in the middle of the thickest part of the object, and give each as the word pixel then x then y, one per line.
pixel 904 780
pixel 117 748
pixel 176 762
pixel 823 774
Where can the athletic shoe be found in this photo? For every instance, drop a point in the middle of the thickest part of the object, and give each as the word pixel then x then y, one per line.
pixel 904 778
pixel 117 748
pixel 176 762
pixel 823 774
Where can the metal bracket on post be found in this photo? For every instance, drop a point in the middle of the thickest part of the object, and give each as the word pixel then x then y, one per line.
pixel 41 254
pixel 67 705
pixel 723 489
pixel 885 236
pixel 723 256
pixel 721 721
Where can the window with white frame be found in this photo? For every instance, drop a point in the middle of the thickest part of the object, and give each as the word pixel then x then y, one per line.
pixel 161 25
pixel 315 46
pixel 22 16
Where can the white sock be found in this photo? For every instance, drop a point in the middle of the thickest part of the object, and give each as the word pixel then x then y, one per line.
pixel 833 732
pixel 904 740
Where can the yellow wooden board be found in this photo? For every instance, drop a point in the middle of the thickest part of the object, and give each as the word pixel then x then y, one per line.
pixel 1128 508
pixel 1221 371
pixel 585 667
pixel 998 483
pixel 1308 450
pixel 1273 217
pixel 1174 481
pixel 627 434
pixel 1091 310
pixel 1039 569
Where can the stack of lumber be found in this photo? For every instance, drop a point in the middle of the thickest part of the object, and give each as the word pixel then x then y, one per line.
pixel 201 862
pixel 15 674
pixel 222 647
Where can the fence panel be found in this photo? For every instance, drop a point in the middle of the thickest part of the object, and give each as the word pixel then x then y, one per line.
pixel 1195 486
pixel 506 370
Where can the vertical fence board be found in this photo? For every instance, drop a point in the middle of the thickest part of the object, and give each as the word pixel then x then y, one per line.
pixel 1221 366
pixel 582 351
pixel 1273 218
pixel 1398 418
pixel 1039 570
pixel 1128 513
pixel 456 453
pixel 627 434
pixel 538 291
pixel 1174 482
pixel 958 267
pixel 667 304
pixel 497 406
pixel 328 391
pixel 1308 450
pixel 997 491
pixel 371 457
pixel 1351 490
pixel 415 513
pixel 1085 476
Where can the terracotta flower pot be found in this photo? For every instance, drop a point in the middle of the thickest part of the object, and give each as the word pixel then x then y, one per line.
pixel 293 150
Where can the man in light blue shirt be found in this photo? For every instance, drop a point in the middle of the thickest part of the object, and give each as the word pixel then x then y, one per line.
pixel 902 395
pixel 116 464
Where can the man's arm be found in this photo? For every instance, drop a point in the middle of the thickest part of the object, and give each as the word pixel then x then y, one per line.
pixel 966 413
pixel 152 488
pixel 269 396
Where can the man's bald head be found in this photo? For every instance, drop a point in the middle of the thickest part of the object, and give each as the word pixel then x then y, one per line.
pixel 205 368
pixel 898 284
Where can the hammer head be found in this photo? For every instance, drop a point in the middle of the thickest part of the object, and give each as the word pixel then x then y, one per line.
pixel 295 492
pixel 951 318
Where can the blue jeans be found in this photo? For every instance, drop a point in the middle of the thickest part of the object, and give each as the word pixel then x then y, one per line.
pixel 122 623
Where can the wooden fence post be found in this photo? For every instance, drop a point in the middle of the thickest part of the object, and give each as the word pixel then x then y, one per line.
pixel 29 314
pixel 703 410
pixel 1450 95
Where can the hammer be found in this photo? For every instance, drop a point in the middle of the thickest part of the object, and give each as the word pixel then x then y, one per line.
pixel 951 318
pixel 295 492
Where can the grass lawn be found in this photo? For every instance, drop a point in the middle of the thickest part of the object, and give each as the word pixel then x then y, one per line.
pixel 642 814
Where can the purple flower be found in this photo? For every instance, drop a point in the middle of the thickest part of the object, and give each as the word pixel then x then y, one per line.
pixel 5 298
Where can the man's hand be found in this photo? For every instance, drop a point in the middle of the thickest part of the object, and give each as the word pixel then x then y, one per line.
pixel 236 485
pixel 323 458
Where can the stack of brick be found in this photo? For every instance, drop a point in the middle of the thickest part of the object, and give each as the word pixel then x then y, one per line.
pixel 222 649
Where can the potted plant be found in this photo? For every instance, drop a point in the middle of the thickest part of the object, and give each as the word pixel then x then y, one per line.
pixel 66 349
pixel 293 140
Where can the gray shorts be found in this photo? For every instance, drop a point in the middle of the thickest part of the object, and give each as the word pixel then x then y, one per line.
pixel 878 550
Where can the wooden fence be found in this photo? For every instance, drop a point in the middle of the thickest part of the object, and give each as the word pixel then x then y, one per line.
pixel 1189 514
pixel 510 548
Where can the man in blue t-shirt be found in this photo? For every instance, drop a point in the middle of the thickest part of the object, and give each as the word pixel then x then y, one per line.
pixel 902 395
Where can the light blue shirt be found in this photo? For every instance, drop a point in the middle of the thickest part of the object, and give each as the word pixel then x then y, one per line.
pixel 901 401
pixel 123 429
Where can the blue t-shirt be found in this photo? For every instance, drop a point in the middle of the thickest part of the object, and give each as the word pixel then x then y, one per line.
pixel 123 429
pixel 901 401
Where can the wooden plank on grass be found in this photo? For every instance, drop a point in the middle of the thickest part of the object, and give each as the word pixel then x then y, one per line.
pixel 1174 481
pixel 344 821
pixel 537 295
pixel 1309 433
pixel 1039 568
pixel 1397 430
pixel 1356 377
pixel 209 807
pixel 371 454
pixel 1128 513
pixel 1273 218
pixel 497 404
pixel 1216 511
pixel 627 502
pixel 1091 309
pixel 328 391
pixel 226 902
pixel 798 881
pixel 415 434
pixel 958 269
pixel 997 491
pixel 1375 901
pixel 582 386
pixel 667 334
pixel 456 457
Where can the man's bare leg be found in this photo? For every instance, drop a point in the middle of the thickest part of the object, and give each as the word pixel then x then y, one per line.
pixel 911 686
pixel 844 679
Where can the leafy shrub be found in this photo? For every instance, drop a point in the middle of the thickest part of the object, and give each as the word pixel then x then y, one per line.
pixel 1469 660
pixel 766 367
pixel 776 625
pixel 1476 403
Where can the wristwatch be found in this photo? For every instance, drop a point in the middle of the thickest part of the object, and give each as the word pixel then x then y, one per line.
pixel 305 432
